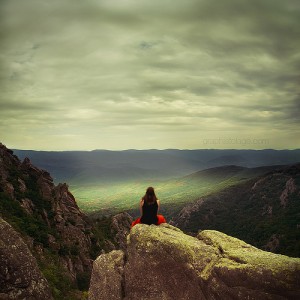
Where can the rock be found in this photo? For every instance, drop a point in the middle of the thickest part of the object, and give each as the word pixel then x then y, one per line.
pixel 161 264
pixel 20 277
pixel 27 205
pixel 250 273
pixel 120 227
pixel 22 185
pixel 185 213
pixel 9 189
pixel 272 244
pixel 290 188
pixel 164 263
pixel 259 183
pixel 109 246
pixel 107 276
pixel 53 206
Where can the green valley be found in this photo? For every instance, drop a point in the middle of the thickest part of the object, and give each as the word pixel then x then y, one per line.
pixel 110 198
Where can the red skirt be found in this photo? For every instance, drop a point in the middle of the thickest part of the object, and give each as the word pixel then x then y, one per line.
pixel 160 219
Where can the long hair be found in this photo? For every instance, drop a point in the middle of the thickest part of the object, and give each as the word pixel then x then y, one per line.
pixel 150 196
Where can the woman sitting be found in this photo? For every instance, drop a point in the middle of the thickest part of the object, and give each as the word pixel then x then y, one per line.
pixel 149 207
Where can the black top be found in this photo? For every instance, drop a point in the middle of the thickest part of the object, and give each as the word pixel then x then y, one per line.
pixel 149 213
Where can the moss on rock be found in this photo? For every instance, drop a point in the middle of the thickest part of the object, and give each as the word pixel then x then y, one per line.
pixel 164 263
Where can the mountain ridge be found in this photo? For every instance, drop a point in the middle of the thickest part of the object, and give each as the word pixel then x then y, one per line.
pixel 67 166
pixel 263 211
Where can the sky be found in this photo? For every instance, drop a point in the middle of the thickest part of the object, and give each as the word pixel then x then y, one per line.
pixel 140 74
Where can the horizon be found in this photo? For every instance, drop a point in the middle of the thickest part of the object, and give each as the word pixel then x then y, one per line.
pixel 150 74
pixel 153 149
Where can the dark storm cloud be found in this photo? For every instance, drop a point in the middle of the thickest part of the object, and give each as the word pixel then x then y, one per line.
pixel 153 71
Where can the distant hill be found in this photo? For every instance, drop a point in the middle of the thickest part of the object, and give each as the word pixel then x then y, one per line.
pixel 229 171
pixel 263 211
pixel 105 166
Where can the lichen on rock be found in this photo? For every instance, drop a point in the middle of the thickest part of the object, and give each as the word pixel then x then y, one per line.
pixel 161 262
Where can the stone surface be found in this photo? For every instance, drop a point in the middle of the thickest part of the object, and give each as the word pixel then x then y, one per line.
pixel 20 277
pixel 162 262
pixel 107 276
pixel 290 188
pixel 243 270
pixel 120 227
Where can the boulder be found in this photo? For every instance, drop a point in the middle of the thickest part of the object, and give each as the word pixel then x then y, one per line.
pixel 20 277
pixel 161 262
pixel 107 279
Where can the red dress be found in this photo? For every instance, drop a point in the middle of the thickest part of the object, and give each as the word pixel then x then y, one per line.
pixel 149 215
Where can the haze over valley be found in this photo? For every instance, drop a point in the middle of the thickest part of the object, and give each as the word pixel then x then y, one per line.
pixel 106 182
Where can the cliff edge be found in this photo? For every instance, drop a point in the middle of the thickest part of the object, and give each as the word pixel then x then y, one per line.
pixel 161 262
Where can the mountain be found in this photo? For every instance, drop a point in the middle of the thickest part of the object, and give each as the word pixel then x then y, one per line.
pixel 42 218
pixel 161 262
pixel 229 171
pixel 87 167
pixel 263 211
pixel 62 239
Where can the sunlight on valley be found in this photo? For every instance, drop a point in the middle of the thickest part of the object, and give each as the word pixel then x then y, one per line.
pixel 115 197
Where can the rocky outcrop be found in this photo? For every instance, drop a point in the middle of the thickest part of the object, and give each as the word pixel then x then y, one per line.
pixel 185 214
pixel 57 224
pixel 161 262
pixel 120 227
pixel 272 244
pixel 290 188
pixel 20 277
pixel 74 230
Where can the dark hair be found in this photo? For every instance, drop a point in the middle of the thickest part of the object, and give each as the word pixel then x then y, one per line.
pixel 150 196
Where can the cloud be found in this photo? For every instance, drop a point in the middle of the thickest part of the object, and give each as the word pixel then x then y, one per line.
pixel 158 70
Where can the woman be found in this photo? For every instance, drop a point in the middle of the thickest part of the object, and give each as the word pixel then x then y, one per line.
pixel 149 206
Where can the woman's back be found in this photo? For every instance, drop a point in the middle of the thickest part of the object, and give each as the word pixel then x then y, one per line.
pixel 149 206
pixel 149 213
